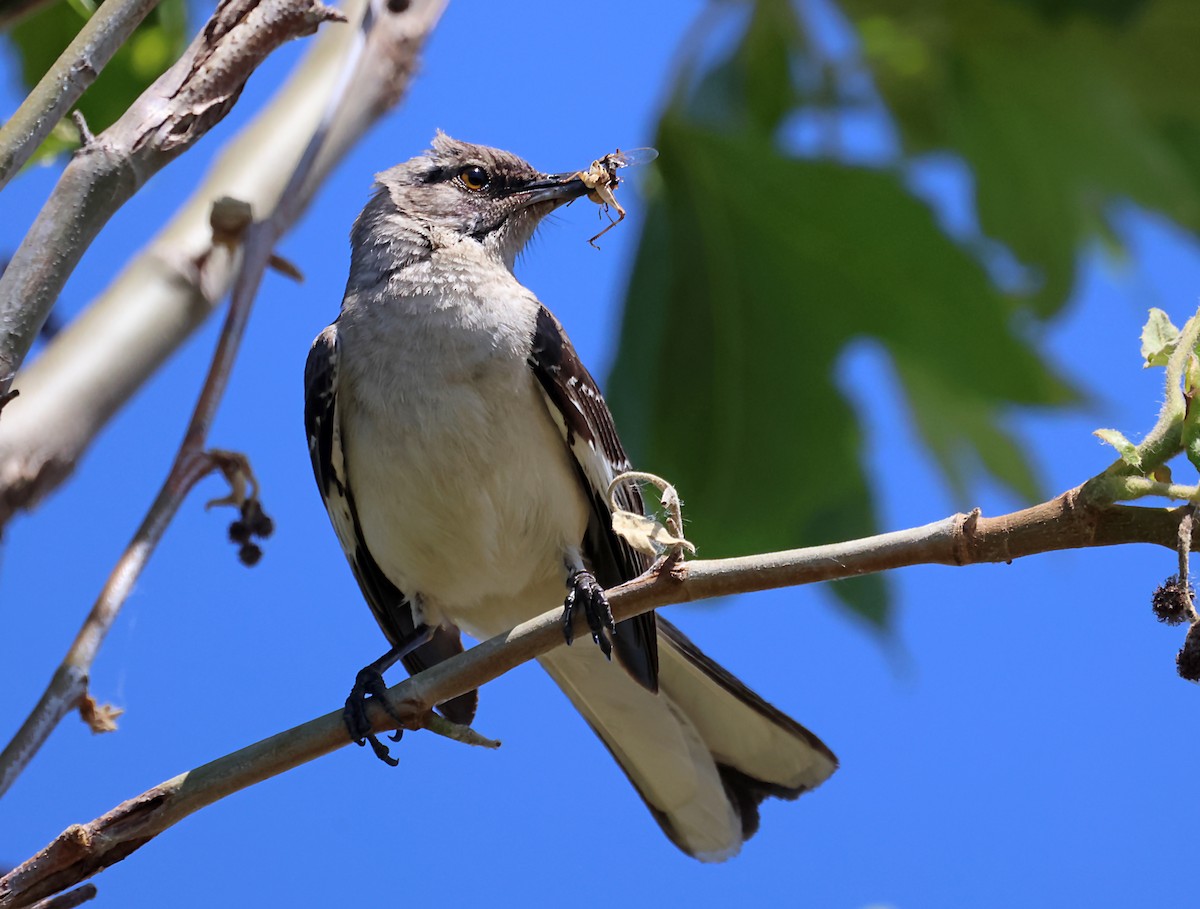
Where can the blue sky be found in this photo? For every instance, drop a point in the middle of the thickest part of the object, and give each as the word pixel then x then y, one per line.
pixel 1020 740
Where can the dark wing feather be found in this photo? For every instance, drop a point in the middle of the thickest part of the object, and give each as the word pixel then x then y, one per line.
pixel 392 609
pixel 590 435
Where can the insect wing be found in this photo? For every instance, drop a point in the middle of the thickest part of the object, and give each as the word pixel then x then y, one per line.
pixel 634 157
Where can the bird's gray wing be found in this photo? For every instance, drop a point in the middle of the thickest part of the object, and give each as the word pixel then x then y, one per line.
pixel 392 609
pixel 578 408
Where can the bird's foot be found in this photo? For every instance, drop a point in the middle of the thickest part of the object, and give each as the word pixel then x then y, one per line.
pixel 586 591
pixel 369 682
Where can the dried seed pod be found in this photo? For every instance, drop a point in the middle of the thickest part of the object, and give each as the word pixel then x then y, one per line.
pixel 1188 660
pixel 1173 602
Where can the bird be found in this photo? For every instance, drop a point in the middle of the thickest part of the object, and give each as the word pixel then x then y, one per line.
pixel 464 452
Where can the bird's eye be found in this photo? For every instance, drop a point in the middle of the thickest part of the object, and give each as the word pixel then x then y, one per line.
pixel 474 177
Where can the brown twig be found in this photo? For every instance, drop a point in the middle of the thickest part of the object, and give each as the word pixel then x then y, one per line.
pixel 68 687
pixel 68 900
pixel 1069 521
pixel 14 11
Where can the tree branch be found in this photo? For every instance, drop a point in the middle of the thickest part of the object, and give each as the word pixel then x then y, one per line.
pixel 1066 522
pixel 171 115
pixel 98 361
pixel 77 68
pixel 68 687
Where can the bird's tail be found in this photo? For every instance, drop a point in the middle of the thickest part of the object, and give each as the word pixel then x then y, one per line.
pixel 703 752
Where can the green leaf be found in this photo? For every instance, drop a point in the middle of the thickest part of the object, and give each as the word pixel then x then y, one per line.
pixel 753 89
pixel 764 62
pixel 962 429
pixel 41 38
pixel 1159 337
pixel 1060 109
pixel 754 272
pixel 1127 450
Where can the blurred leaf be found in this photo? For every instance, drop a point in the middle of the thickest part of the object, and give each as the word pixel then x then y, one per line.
pixel 752 88
pixel 961 427
pixel 1060 107
pixel 41 38
pixel 754 272
pixel 1117 12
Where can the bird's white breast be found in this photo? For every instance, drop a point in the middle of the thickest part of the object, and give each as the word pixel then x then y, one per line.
pixel 465 490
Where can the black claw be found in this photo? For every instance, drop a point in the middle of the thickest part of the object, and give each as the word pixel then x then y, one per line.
pixel 585 589
pixel 369 682
pixel 381 750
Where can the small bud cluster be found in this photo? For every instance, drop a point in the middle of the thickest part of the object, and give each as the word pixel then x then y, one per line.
pixel 254 522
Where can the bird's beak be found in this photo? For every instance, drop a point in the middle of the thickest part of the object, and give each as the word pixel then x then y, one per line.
pixel 553 188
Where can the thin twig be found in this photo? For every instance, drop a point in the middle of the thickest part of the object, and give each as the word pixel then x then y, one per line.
pixel 439 725
pixel 169 117
pixel 68 900
pixel 13 12
pixel 68 687
pixel 1066 522
pixel 86 136
pixel 77 68
pixel 91 368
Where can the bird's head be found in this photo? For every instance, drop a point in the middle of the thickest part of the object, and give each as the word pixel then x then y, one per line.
pixel 480 193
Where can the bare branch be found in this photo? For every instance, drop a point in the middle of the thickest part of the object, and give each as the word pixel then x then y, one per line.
pixel 180 107
pixel 1066 522
pixel 98 361
pixel 66 80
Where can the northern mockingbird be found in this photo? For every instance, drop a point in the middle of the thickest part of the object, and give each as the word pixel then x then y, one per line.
pixel 464 453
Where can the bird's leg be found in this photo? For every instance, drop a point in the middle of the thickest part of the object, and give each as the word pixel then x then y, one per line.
pixel 369 681
pixel 584 590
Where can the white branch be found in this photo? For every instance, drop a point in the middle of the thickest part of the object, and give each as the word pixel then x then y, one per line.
pixel 98 361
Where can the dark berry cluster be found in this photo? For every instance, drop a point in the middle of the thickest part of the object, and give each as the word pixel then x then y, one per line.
pixel 254 522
